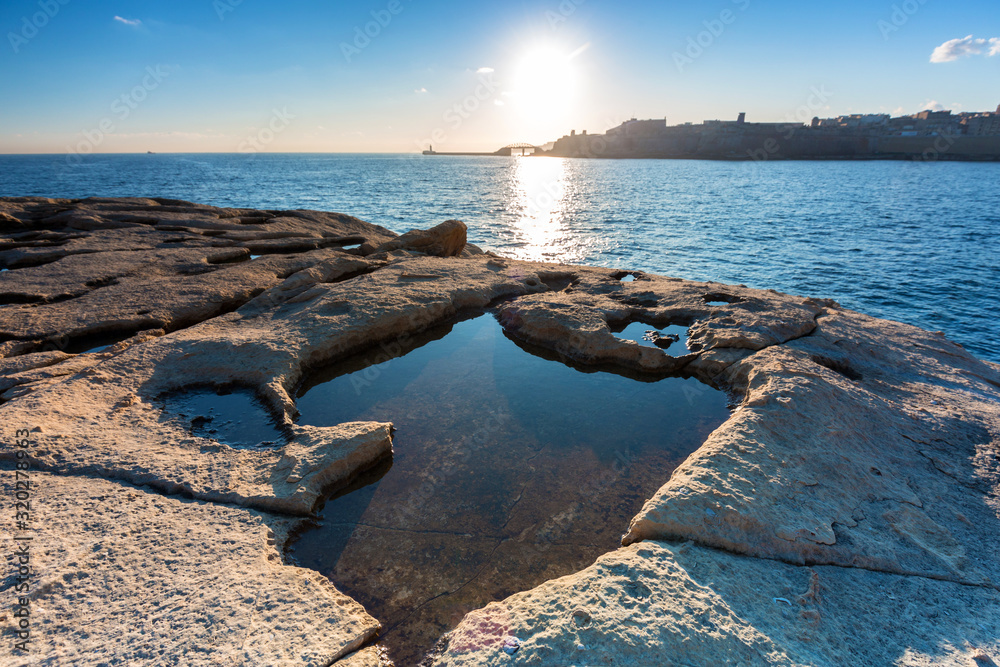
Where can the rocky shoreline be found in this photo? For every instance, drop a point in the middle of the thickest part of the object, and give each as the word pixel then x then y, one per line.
pixel 847 513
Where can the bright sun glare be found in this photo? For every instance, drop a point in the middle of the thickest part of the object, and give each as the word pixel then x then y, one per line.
pixel 540 194
pixel 545 91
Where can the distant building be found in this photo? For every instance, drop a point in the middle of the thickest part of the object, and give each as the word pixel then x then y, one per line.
pixel 741 125
pixel 853 121
pixel 927 123
pixel 638 128
pixel 933 116
pixel 982 124
pixel 926 135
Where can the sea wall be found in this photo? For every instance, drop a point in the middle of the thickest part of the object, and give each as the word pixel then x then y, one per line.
pixel 762 142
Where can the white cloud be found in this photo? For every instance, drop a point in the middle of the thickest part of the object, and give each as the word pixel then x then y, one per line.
pixel 420 91
pixel 131 22
pixel 933 105
pixel 485 70
pixel 954 49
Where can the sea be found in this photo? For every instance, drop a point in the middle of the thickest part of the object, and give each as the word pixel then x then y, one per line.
pixel 911 241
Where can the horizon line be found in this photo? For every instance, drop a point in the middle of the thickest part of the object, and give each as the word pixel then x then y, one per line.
pixel 215 153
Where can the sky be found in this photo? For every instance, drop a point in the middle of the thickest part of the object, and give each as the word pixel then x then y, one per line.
pixel 105 76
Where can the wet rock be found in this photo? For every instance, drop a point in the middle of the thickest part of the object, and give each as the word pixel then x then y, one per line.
pixel 661 341
pixel 575 323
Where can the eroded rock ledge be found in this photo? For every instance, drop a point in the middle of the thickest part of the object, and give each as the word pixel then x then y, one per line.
pixel 848 512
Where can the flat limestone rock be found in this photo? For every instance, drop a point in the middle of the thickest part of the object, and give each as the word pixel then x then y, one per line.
pixel 369 657
pixel 866 444
pixel 847 513
pixel 94 266
pixel 105 419
pixel 857 443
pixel 679 604
pixel 28 362
pixel 123 575
pixel 574 321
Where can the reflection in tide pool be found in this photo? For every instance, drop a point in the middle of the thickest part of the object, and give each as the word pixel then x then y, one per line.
pixel 650 336
pixel 509 469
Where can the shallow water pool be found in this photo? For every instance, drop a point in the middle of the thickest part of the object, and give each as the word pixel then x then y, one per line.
pixel 232 416
pixel 509 469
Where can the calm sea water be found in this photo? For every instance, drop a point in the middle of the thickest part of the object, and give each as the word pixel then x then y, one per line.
pixel 907 241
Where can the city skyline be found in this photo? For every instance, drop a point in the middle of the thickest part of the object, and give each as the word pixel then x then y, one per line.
pixel 396 75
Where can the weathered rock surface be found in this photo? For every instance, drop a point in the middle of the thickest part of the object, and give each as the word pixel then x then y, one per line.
pixel 679 604
pixel 368 657
pixel 865 445
pixel 848 512
pixel 126 576
pixel 90 267
pixel 446 240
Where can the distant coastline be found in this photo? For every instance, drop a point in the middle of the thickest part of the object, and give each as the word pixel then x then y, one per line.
pixel 928 135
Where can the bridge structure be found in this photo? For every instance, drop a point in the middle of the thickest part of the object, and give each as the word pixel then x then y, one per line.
pixel 512 149
pixel 509 150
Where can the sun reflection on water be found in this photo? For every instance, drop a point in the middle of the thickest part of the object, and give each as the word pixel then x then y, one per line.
pixel 539 197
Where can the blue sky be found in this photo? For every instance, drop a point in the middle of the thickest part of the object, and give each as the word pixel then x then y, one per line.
pixel 232 75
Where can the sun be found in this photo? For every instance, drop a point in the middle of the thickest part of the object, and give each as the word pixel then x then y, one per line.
pixel 546 84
